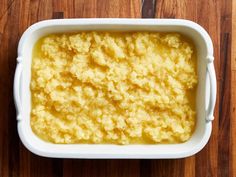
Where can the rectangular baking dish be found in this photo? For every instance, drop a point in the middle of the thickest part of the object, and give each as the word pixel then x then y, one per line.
pixel 205 101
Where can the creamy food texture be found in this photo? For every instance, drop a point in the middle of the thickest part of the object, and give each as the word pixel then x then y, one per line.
pixel 114 87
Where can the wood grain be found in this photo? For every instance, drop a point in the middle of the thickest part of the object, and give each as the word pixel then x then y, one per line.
pixel 232 157
pixel 217 159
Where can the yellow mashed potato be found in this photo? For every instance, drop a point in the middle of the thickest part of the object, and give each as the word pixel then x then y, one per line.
pixel 119 88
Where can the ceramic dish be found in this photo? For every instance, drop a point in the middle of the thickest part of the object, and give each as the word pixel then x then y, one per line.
pixel 205 101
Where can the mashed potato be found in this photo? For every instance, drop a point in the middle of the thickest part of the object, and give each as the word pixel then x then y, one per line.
pixel 119 88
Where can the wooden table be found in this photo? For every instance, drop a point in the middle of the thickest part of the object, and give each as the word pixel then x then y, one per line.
pixel 218 158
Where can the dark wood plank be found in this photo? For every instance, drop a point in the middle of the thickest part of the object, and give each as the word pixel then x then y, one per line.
pixel 148 8
pixel 224 90
pixel 171 168
pixel 9 143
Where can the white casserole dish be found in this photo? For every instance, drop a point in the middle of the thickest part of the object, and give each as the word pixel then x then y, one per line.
pixel 205 101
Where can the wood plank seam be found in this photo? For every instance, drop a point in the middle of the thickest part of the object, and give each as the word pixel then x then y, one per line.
pixel 148 8
pixel 58 15
pixel 223 77
pixel 224 108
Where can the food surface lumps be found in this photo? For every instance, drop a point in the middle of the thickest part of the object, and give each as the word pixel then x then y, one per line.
pixel 114 87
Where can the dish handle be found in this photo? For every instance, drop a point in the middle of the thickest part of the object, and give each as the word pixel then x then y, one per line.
pixel 16 87
pixel 212 97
